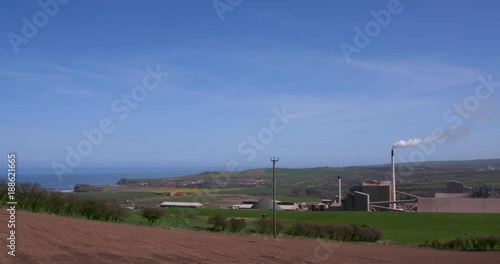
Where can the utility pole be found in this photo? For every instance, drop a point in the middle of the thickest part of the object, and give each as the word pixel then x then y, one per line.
pixel 274 160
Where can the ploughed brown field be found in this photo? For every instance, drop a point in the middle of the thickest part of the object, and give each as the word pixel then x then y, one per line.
pixel 51 239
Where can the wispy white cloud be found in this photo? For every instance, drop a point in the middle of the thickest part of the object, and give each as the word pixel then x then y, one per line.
pixel 29 75
pixel 117 70
pixel 83 78
pixel 284 19
pixel 73 91
pixel 396 68
pixel 417 76
pixel 59 69
pixel 57 84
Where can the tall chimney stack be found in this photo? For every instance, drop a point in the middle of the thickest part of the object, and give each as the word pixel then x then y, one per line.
pixel 393 179
pixel 340 190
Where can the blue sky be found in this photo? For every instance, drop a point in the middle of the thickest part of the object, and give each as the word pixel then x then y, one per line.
pixel 225 77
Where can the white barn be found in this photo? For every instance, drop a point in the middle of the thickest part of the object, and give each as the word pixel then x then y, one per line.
pixel 180 205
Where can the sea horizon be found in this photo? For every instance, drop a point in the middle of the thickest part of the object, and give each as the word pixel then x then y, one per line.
pixel 48 179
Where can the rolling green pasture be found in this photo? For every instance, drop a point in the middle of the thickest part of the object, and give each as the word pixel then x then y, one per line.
pixel 259 190
pixel 321 172
pixel 118 196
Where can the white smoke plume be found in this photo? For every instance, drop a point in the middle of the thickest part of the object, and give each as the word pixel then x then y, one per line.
pixel 455 134
pixel 412 142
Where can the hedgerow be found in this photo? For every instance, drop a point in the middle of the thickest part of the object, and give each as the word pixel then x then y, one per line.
pixel 483 243
pixel 351 232
pixel 34 198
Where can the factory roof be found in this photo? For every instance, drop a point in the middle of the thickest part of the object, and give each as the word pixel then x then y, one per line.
pixel 451 195
pixel 243 206
pixel 377 183
pixel 287 207
pixel 181 204
pixel 455 182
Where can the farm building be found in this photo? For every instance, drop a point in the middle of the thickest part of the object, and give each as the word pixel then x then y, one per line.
pixel 318 207
pixel 288 206
pixel 242 206
pixel 266 204
pixel 180 205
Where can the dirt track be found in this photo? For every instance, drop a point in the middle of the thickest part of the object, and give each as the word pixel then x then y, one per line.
pixel 52 239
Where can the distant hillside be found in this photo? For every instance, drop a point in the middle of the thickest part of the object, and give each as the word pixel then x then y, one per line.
pixel 450 169
pixel 356 170
pixel 450 164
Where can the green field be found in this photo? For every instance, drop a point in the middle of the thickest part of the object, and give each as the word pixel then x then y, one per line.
pixel 259 190
pixel 117 196
pixel 311 185
pixel 406 228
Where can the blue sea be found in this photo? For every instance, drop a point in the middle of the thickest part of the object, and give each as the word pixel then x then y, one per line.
pixel 97 176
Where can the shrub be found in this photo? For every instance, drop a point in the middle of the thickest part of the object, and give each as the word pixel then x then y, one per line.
pixel 456 244
pixel 219 222
pixel 451 244
pixel 32 197
pixel 113 212
pixel 35 198
pixel 237 224
pixel 492 241
pixel 152 214
pixel 480 244
pixel 265 226
pixel 56 204
pixel 425 244
pixel 436 244
pixel 250 231
pixel 189 214
pixel 351 232
pixel 369 234
pixel 465 244
pixel 299 229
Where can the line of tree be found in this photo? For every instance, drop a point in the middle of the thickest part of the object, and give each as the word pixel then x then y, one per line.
pixel 350 232
pixel 220 223
pixel 34 198
pixel 152 214
pixel 483 243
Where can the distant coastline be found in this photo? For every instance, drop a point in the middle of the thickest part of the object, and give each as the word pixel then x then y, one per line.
pixel 111 175
pixel 98 176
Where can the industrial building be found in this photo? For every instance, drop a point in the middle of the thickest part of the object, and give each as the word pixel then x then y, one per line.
pixel 362 195
pixel 454 187
pixel 266 204
pixel 378 190
pixel 377 195
pixel 180 205
pixel 459 205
